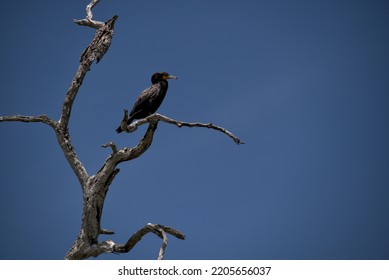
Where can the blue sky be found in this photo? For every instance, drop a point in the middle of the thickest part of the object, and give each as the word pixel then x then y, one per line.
pixel 304 83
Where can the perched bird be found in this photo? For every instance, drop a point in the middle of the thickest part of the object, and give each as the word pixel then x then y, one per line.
pixel 150 99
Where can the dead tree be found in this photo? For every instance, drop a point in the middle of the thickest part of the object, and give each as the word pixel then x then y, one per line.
pixel 95 187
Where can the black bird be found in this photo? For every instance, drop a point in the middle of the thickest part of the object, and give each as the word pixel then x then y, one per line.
pixel 150 99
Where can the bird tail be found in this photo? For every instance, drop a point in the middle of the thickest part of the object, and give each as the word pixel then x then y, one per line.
pixel 119 129
pixel 123 124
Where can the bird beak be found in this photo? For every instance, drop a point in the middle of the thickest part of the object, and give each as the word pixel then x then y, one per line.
pixel 170 77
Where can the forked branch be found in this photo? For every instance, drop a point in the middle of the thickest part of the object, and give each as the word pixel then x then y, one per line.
pixel 110 246
pixel 88 21
pixel 158 230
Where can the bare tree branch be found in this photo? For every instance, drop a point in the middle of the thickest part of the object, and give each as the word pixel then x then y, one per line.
pixel 110 246
pixel 20 118
pixel 158 230
pixel 106 231
pixel 157 117
pixel 112 145
pixel 101 42
pixel 95 51
pixel 163 246
pixel 89 15
pixel 63 140
pixel 89 8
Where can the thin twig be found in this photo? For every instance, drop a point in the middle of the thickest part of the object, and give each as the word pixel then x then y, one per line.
pixel 105 231
pixel 112 145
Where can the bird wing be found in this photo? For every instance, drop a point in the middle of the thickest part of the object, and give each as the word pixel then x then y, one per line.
pixel 145 98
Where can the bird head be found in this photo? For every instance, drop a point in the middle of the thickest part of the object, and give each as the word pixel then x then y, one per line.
pixel 161 76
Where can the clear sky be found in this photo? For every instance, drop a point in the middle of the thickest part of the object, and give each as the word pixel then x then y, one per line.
pixel 304 83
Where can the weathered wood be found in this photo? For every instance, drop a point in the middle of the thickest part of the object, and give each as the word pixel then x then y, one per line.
pixel 158 117
pixel 88 21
